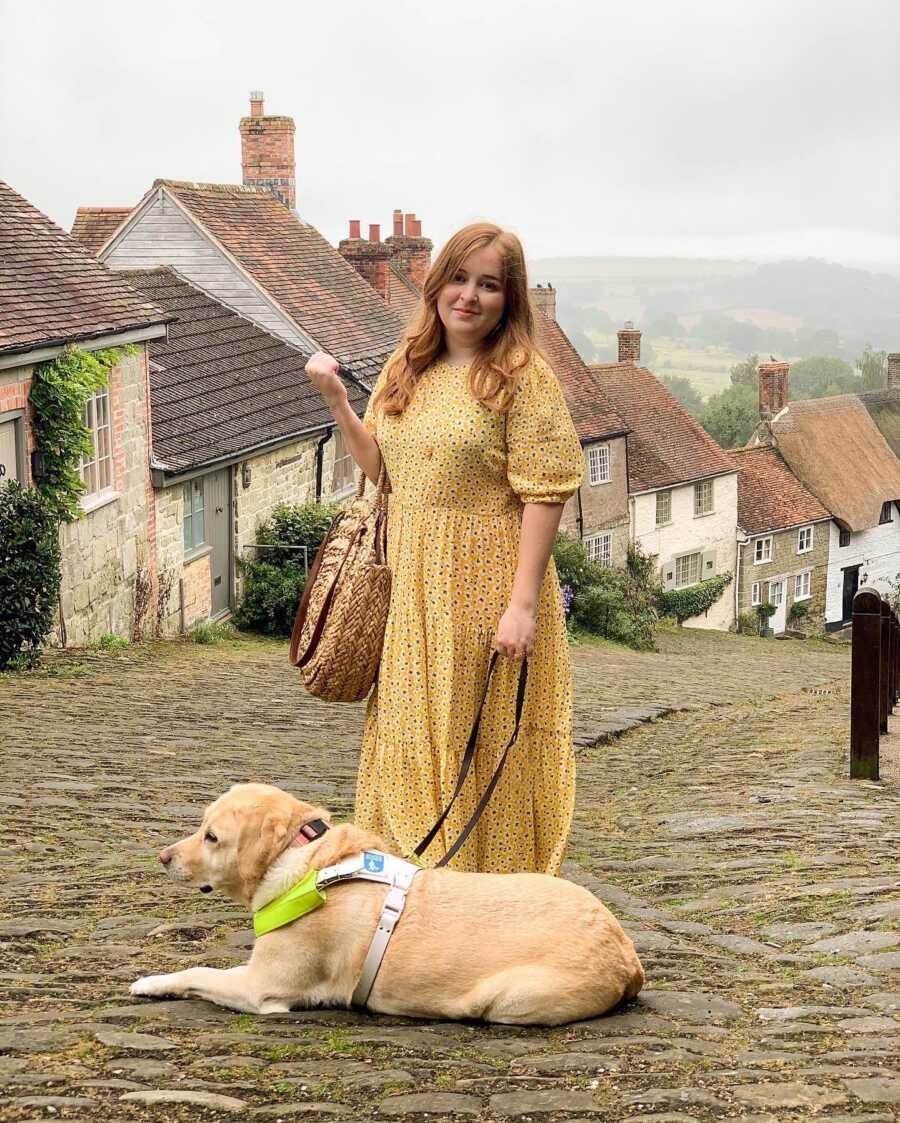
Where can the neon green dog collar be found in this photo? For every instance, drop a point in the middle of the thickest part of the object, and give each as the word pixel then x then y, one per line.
pixel 300 899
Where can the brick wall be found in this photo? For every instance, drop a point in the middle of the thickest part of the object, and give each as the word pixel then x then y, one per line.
pixel 196 589
pixel 267 156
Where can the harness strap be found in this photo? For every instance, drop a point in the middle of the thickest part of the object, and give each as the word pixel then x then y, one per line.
pixel 393 907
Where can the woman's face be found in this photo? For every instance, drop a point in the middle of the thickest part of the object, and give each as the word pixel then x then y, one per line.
pixel 471 304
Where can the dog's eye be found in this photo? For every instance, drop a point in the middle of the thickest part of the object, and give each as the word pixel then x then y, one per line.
pixel 210 837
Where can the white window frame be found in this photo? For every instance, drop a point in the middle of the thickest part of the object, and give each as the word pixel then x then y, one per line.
pixel 798 581
pixel 680 563
pixel 756 594
pixel 779 583
pixel 805 531
pixel 761 557
pixel 668 494
pixel 598 548
pixel 343 469
pixel 191 509
pixel 703 488
pixel 598 464
pixel 98 469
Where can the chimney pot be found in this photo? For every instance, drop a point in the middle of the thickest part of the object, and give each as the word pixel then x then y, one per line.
pixel 408 221
pixel 893 370
pixel 256 103
pixel 374 231
pixel 629 343
pixel 417 228
pixel 774 382
pixel 398 223
pixel 354 228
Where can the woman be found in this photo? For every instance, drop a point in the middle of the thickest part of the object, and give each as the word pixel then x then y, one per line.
pixel 481 455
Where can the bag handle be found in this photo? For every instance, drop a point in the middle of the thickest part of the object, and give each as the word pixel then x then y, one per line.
pixel 468 757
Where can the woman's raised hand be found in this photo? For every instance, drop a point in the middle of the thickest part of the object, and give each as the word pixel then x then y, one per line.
pixel 323 374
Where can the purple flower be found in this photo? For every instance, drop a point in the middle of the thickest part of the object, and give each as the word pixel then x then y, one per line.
pixel 568 596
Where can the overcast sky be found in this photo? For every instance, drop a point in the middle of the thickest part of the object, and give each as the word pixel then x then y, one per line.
pixel 685 127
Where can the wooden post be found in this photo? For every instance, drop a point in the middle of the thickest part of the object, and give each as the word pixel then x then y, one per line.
pixel 895 683
pixel 885 665
pixel 865 685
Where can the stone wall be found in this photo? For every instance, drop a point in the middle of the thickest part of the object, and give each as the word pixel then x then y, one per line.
pixel 604 506
pixel 786 563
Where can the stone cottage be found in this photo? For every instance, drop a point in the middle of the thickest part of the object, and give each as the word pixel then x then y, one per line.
pixel 683 489
pixel 53 293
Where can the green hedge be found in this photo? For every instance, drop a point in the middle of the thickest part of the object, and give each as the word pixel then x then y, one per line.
pixel 29 574
pixel 694 600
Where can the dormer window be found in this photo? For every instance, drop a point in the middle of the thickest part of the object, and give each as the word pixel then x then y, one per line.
pixel 887 514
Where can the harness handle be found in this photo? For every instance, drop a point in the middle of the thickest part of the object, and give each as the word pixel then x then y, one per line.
pixel 468 757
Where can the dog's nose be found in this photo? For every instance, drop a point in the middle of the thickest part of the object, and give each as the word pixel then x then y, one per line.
pixel 166 856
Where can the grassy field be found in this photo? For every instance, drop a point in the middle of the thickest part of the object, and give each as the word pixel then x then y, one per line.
pixel 705 366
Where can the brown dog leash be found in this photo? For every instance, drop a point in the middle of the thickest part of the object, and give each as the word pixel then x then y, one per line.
pixel 468 757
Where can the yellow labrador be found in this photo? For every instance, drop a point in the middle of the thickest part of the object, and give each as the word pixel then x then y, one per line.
pixel 524 949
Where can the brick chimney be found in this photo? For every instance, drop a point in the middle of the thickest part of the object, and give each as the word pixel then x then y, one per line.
pixel 410 252
pixel 267 152
pixel 629 343
pixel 544 299
pixel 369 258
pixel 773 389
pixel 893 371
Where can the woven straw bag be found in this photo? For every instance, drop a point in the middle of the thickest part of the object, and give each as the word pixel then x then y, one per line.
pixel 339 630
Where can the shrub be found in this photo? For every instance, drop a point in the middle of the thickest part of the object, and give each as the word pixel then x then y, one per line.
pixel 695 599
pixel 29 574
pixel 618 602
pixel 748 624
pixel 274 579
pixel 798 610
pixel 213 631
pixel 572 565
pixel 110 642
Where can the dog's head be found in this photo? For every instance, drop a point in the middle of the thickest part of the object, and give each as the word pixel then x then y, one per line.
pixel 242 833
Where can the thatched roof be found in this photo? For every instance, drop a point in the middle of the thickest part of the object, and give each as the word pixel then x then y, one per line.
pixel 835 449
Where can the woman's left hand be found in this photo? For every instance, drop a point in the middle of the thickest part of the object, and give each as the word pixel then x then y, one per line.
pixel 515 632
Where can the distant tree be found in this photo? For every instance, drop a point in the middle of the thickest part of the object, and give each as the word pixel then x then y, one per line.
pixel 685 392
pixel 664 327
pixel 872 369
pixel 822 378
pixel 743 335
pixel 582 345
pixel 731 416
pixel 745 373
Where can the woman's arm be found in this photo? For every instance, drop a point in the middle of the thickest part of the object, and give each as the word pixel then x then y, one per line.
pixel 362 446
pixel 515 632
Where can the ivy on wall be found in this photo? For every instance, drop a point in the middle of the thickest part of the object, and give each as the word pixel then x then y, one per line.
pixel 60 390
pixel 695 599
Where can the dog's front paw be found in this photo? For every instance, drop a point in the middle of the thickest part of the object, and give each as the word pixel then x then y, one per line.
pixel 155 986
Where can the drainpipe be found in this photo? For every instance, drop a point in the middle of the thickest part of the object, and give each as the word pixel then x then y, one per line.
pixel 580 517
pixel 320 453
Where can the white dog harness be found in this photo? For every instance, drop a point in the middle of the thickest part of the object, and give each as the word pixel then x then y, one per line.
pixel 308 894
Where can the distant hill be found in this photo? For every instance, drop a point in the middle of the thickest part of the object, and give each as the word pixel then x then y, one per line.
pixel 789 307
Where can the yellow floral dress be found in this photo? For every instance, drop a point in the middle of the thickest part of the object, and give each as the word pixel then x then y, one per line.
pixel 460 474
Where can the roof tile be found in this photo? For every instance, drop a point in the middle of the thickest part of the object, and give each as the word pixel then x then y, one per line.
pixel 770 497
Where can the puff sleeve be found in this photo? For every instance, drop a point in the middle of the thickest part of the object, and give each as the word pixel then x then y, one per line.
pixel 544 462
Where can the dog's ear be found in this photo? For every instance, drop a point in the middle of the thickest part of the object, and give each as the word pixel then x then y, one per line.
pixel 260 844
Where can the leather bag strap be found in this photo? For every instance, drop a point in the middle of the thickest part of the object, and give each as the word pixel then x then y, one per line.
pixel 466 765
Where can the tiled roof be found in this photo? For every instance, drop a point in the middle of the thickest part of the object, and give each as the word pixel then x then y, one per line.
pixel 666 446
pixel 93 225
pixel 884 409
pixel 770 497
pixel 835 448
pixel 298 268
pixel 220 385
pixel 591 411
pixel 52 291
pixel 403 295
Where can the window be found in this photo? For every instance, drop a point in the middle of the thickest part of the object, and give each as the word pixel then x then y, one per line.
pixel 756 593
pixel 776 593
pixel 342 476
pixel 687 570
pixel 12 448
pixel 802 586
pixel 599 548
pixel 598 464
pixel 887 515
pixel 96 469
pixel 844 537
pixel 703 498
pixel 804 539
pixel 663 507
pixel 762 550
pixel 193 515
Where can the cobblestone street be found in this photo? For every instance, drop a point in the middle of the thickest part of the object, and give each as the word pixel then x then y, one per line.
pixel 713 817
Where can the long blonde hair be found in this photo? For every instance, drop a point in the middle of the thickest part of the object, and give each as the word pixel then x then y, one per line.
pixel 496 369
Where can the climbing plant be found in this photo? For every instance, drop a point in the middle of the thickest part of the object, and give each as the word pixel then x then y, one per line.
pixel 695 599
pixel 60 389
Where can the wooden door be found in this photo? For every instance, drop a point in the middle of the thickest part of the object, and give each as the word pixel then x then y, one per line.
pixel 217 503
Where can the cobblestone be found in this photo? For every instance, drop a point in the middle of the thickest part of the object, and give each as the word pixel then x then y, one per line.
pixel 714 817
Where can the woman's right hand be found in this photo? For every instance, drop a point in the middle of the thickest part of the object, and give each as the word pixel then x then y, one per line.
pixel 323 374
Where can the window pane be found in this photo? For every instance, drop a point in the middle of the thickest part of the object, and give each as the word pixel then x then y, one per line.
pixel 198 528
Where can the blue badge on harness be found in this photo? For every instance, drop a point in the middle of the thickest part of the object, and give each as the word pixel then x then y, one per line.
pixel 373 863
